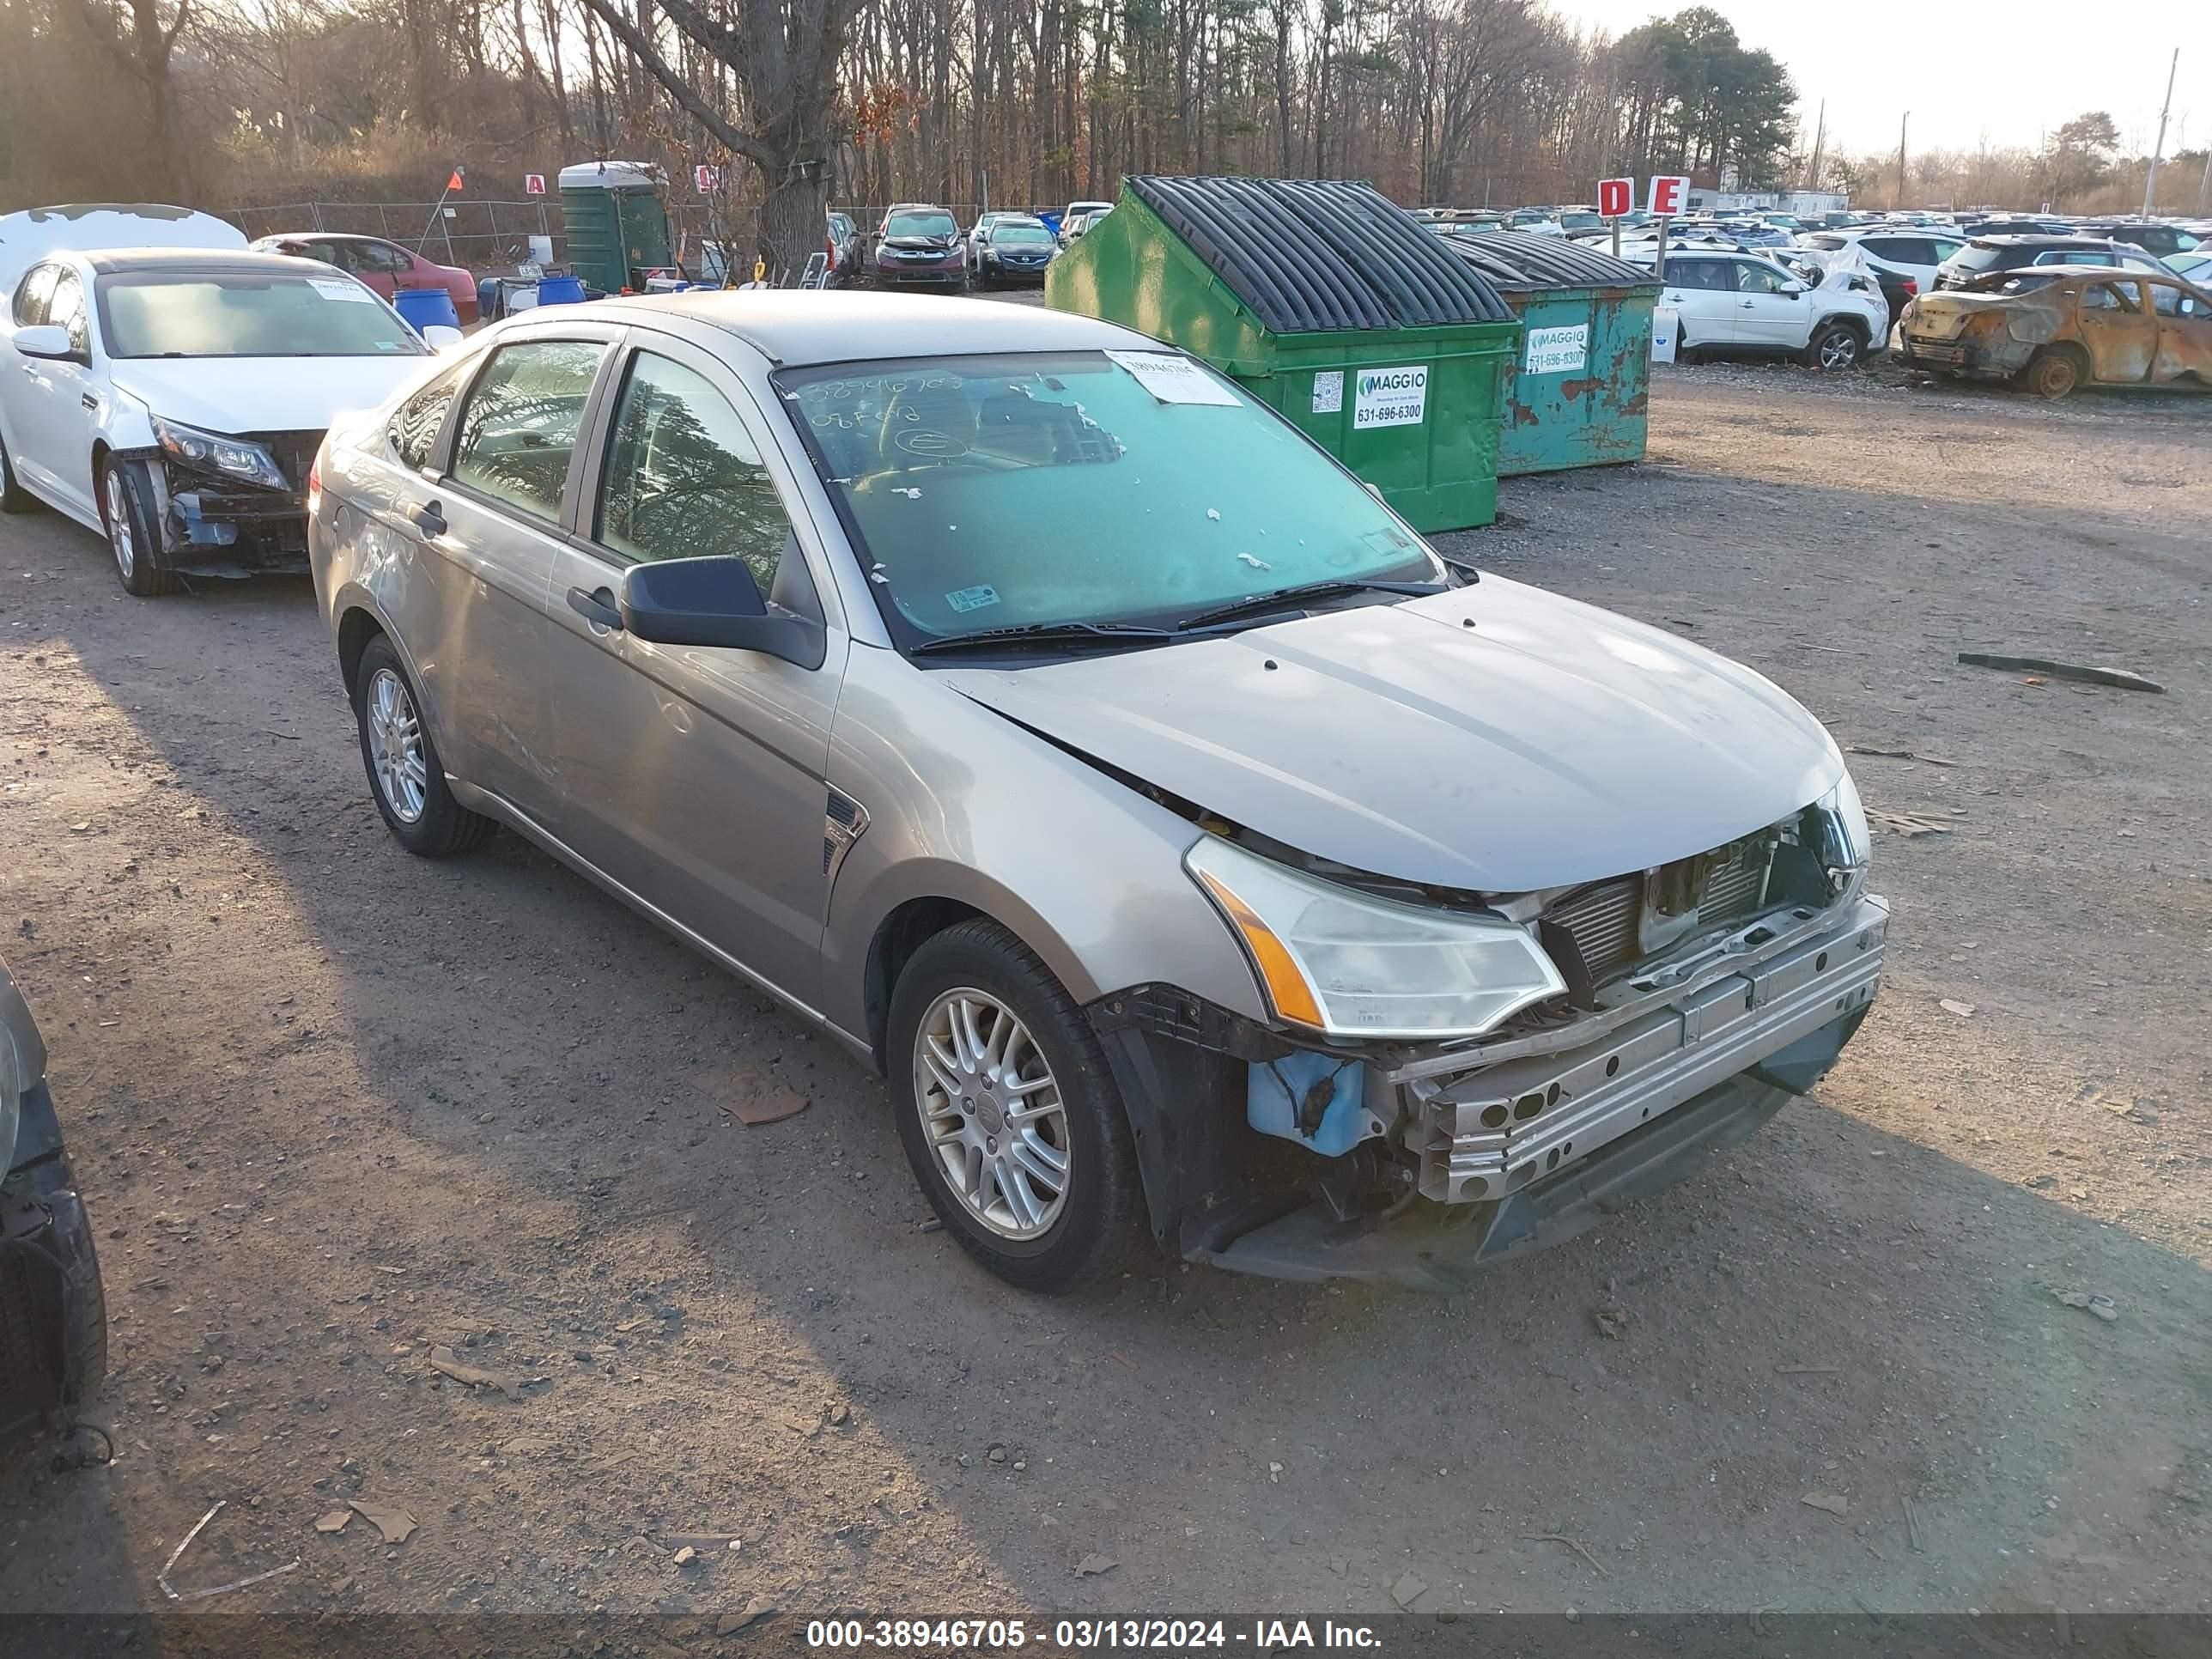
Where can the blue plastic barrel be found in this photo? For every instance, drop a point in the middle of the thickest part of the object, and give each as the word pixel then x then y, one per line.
pixel 560 290
pixel 424 306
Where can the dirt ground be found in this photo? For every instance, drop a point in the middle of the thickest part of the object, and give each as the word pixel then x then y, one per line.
pixel 334 1108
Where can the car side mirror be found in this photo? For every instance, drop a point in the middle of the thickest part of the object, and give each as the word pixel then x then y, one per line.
pixel 442 337
pixel 1791 290
pixel 50 341
pixel 715 602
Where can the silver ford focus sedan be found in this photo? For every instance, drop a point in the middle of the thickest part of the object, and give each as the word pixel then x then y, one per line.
pixel 1044 717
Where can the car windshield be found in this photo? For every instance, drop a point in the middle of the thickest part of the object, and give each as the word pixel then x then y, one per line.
pixel 921 224
pixel 240 314
pixel 1977 257
pixel 1036 234
pixel 1006 491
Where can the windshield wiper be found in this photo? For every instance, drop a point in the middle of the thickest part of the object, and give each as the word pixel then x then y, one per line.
pixel 1059 633
pixel 1289 598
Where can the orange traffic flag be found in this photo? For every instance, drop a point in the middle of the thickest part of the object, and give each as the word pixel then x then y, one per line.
pixel 454 183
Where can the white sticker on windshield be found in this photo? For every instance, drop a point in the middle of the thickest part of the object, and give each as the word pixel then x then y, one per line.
pixel 1173 378
pixel 972 598
pixel 351 293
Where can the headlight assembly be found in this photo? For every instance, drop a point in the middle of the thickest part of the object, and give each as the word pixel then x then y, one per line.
pixel 1847 847
pixel 216 452
pixel 1335 960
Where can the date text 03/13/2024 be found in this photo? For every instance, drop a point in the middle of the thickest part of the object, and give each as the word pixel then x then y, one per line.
pixel 1089 1635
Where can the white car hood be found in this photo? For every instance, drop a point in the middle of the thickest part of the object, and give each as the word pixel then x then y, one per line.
pixel 261 394
pixel 1551 743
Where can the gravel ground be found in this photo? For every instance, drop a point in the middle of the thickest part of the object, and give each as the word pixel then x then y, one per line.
pixel 336 1109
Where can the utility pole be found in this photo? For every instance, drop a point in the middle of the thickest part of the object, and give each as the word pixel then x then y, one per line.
pixel 1819 140
pixel 2204 185
pixel 2150 184
pixel 1901 120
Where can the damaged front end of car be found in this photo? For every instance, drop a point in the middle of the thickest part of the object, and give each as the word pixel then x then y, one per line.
pixel 231 504
pixel 1612 1034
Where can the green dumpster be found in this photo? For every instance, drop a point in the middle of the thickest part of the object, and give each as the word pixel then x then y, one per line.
pixel 1576 395
pixel 1330 302
pixel 615 221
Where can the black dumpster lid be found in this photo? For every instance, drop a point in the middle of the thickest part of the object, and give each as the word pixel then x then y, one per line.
pixel 1316 254
pixel 1514 260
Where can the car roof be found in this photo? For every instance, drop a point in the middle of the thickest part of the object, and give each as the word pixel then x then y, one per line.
pixel 2034 237
pixel 200 261
pixel 797 327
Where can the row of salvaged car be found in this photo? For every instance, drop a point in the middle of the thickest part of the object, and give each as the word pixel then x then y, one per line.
pixel 1230 865
pixel 2050 313
pixel 920 245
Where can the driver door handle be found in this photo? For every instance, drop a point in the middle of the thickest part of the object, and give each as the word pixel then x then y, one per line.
pixel 597 607
pixel 429 518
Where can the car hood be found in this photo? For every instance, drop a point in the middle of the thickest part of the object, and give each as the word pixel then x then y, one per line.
pixel 261 394
pixel 1551 743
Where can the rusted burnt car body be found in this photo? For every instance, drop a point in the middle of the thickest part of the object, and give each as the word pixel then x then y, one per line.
pixel 2079 327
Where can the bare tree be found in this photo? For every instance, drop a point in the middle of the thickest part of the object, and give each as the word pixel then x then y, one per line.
pixel 781 60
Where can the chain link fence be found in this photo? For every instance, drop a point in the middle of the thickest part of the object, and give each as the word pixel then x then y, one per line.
pixel 486 237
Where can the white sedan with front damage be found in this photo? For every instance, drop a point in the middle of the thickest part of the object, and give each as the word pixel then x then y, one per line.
pixel 173 399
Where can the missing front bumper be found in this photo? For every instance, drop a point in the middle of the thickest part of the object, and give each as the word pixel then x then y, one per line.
pixel 1532 1150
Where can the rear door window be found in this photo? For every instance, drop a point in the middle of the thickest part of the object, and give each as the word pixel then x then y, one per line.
pixel 2110 296
pixel 32 295
pixel 518 431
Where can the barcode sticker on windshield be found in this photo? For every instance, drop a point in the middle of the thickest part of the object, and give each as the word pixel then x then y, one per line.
pixel 351 293
pixel 1172 378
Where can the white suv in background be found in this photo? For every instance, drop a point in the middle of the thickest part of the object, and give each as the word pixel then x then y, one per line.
pixel 1739 301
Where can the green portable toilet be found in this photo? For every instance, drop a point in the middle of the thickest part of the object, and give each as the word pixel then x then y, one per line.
pixel 616 224
pixel 1577 394
pixel 1333 304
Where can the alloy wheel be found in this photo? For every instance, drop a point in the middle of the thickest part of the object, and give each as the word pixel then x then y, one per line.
pixel 118 522
pixel 395 745
pixel 1840 351
pixel 991 1112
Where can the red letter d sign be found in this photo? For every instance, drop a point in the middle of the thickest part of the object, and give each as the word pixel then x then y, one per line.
pixel 1615 197
pixel 1669 194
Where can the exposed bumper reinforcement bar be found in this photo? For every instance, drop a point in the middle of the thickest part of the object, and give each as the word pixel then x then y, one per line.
pixel 1440 1248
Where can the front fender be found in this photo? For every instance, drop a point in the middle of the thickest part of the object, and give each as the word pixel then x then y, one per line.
pixel 123 423
pixel 966 806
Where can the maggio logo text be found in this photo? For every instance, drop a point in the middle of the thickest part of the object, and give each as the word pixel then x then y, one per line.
pixel 1390 397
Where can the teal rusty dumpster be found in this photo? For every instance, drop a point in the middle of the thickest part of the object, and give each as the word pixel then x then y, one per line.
pixel 1577 394
pixel 1332 304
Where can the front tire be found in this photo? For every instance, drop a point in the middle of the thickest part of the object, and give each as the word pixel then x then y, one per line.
pixel 1008 1113
pixel 14 498
pixel 403 774
pixel 134 534
pixel 1835 347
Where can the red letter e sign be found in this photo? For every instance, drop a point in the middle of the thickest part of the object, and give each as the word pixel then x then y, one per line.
pixel 1615 197
pixel 1669 194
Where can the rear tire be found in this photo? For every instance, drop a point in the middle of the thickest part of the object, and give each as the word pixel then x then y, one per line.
pixel 404 776
pixel 2055 373
pixel 1087 1226
pixel 14 498
pixel 134 534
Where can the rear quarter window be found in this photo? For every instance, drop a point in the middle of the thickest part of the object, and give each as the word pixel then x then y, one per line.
pixel 412 432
